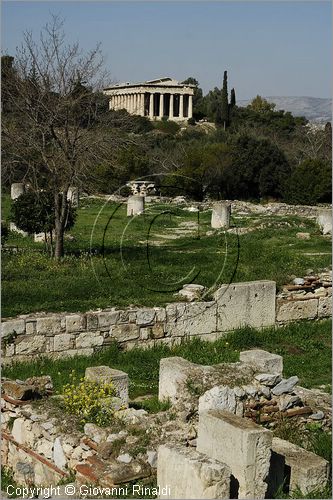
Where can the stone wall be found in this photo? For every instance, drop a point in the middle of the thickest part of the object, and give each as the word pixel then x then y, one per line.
pixel 40 452
pixel 31 446
pixel 303 308
pixel 234 306
pixel 307 298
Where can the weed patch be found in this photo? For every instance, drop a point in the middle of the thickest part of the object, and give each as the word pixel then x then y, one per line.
pixel 312 365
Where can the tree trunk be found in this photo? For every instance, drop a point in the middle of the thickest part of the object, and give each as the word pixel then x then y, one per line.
pixel 51 243
pixel 59 241
pixel 61 208
pixel 45 242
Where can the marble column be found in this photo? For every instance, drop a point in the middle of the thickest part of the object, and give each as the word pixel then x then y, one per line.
pixel 161 105
pixel 190 107
pixel 181 106
pixel 171 106
pixel 130 103
pixel 142 104
pixel 139 104
pixel 151 106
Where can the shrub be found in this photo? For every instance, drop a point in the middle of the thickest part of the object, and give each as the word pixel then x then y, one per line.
pixel 310 183
pixel 168 127
pixel 89 400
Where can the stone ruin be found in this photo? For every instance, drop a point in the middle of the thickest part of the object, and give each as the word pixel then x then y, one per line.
pixel 141 188
pixel 232 456
pixel 136 202
pixel 221 212
pixel 135 205
pixel 324 220
pixel 209 444
pixel 307 297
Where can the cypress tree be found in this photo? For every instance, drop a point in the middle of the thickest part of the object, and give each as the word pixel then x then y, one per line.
pixel 232 98
pixel 224 102
pixel 218 107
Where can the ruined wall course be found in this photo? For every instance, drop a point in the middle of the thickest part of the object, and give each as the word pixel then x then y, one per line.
pixel 294 310
pixel 235 305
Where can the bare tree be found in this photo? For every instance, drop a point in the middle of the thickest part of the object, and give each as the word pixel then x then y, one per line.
pixel 313 143
pixel 59 125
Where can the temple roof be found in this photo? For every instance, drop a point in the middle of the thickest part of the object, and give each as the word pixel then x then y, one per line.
pixel 165 81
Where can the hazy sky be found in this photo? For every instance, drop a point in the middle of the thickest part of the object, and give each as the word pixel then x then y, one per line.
pixel 269 48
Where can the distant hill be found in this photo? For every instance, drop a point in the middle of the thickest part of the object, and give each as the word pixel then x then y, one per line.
pixel 315 109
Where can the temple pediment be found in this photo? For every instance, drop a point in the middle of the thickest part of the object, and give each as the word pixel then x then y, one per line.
pixel 164 81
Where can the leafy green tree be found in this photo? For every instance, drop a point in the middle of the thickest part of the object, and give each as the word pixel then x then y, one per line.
pixel 258 169
pixel 200 170
pixel 280 127
pixel 34 213
pixel 261 105
pixel 310 183
pixel 212 100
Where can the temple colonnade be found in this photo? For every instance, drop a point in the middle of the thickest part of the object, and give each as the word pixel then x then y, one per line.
pixel 155 99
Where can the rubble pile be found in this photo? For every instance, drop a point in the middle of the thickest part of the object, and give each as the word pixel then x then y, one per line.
pixel 26 390
pixel 309 286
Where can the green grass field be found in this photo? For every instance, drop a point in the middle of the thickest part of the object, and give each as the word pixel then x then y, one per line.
pixel 109 262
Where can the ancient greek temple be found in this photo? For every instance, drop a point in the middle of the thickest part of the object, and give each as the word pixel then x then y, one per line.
pixel 164 97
